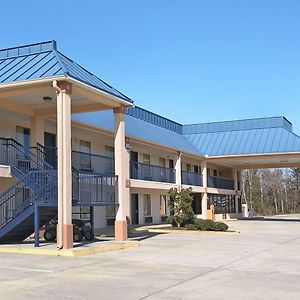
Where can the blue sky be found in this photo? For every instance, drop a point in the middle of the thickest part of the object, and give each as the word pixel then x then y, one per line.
pixel 191 61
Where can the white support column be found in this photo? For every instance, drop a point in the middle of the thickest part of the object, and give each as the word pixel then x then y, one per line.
pixel 37 130
pixel 122 171
pixel 204 195
pixel 178 170
pixel 65 227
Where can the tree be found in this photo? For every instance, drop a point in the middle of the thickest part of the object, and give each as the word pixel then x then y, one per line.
pixel 180 205
pixel 272 191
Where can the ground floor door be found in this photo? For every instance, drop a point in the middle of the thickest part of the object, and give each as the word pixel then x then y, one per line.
pixel 196 204
pixel 134 209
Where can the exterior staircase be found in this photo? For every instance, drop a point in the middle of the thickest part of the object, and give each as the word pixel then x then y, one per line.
pixel 35 171
pixel 36 185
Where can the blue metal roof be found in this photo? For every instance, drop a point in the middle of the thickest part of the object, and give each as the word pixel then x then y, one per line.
pixel 139 129
pixel 43 60
pixel 253 136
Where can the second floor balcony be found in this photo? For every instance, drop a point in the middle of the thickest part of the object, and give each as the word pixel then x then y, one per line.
pixel 220 182
pixel 151 172
pixel 191 178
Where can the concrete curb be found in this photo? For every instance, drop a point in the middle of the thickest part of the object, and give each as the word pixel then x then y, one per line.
pixel 75 252
pixel 155 230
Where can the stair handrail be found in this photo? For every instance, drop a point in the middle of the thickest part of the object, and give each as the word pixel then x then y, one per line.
pixel 49 187
pixel 26 151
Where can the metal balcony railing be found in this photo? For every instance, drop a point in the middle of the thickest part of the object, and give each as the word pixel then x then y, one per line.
pixel 151 172
pixel 93 163
pixel 191 178
pixel 220 182
pixel 94 190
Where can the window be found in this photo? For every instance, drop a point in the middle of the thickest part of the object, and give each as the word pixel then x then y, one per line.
pixel 146 167
pixel 147 205
pixel 188 167
pixel 109 151
pixel 85 155
pixel 146 159
pixel 196 169
pixel 23 136
pixel 162 162
pixel 163 205
pixel 109 162
pixel 85 212
pixel 215 172
pixel 110 212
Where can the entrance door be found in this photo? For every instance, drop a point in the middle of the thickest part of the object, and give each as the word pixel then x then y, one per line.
pixel 50 148
pixel 134 209
pixel 134 158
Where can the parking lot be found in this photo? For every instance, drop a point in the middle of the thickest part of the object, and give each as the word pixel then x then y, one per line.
pixel 262 262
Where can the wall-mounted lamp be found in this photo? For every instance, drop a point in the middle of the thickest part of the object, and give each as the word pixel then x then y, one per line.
pixel 47 99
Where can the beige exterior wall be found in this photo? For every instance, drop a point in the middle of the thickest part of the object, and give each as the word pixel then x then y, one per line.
pixel 155 203
pixel 99 139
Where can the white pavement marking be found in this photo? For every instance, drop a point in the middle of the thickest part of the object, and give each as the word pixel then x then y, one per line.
pixel 27 269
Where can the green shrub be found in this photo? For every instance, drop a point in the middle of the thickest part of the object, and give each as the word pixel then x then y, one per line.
pixel 204 225
pixel 180 203
pixel 191 227
pixel 172 221
pixel 209 225
pixel 219 226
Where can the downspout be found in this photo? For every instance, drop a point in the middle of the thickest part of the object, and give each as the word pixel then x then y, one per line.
pixel 59 200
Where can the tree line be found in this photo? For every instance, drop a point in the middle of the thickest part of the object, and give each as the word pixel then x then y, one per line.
pixel 272 191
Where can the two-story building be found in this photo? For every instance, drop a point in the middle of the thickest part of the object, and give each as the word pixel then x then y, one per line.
pixel 72 144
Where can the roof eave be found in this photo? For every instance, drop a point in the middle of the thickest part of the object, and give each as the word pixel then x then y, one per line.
pixel 38 81
pixel 83 85
pixel 253 155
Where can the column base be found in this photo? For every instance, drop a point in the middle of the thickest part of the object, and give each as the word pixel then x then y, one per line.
pixel 67 236
pixel 121 231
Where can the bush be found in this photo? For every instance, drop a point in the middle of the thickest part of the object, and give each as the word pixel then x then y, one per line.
pixel 191 227
pixel 204 225
pixel 180 204
pixel 219 226
pixel 209 225
pixel 172 221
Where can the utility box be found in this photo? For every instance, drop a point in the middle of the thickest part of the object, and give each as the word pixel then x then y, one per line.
pixel 245 210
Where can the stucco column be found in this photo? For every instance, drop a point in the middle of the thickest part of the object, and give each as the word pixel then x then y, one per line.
pixel 37 130
pixel 178 170
pixel 65 227
pixel 122 171
pixel 204 195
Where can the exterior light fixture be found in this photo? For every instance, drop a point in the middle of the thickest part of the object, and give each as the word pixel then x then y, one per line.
pixel 47 99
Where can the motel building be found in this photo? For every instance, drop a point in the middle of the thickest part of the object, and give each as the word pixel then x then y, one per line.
pixel 71 144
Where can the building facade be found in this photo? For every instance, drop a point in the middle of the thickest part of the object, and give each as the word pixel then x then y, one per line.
pixel 73 145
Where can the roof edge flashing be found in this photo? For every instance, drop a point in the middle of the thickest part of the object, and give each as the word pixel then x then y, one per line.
pixel 28 49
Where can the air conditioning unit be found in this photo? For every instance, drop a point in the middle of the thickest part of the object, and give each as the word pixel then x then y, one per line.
pixel 148 220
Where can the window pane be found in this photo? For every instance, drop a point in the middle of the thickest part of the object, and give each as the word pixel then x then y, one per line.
pixel 84 212
pixel 110 212
pixel 162 162
pixel 109 151
pixel 147 205
pixel 85 157
pixel 146 159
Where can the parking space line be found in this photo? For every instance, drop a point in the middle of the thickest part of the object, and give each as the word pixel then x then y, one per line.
pixel 27 269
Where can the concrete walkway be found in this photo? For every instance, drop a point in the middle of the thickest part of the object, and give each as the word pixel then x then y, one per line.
pixel 262 262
